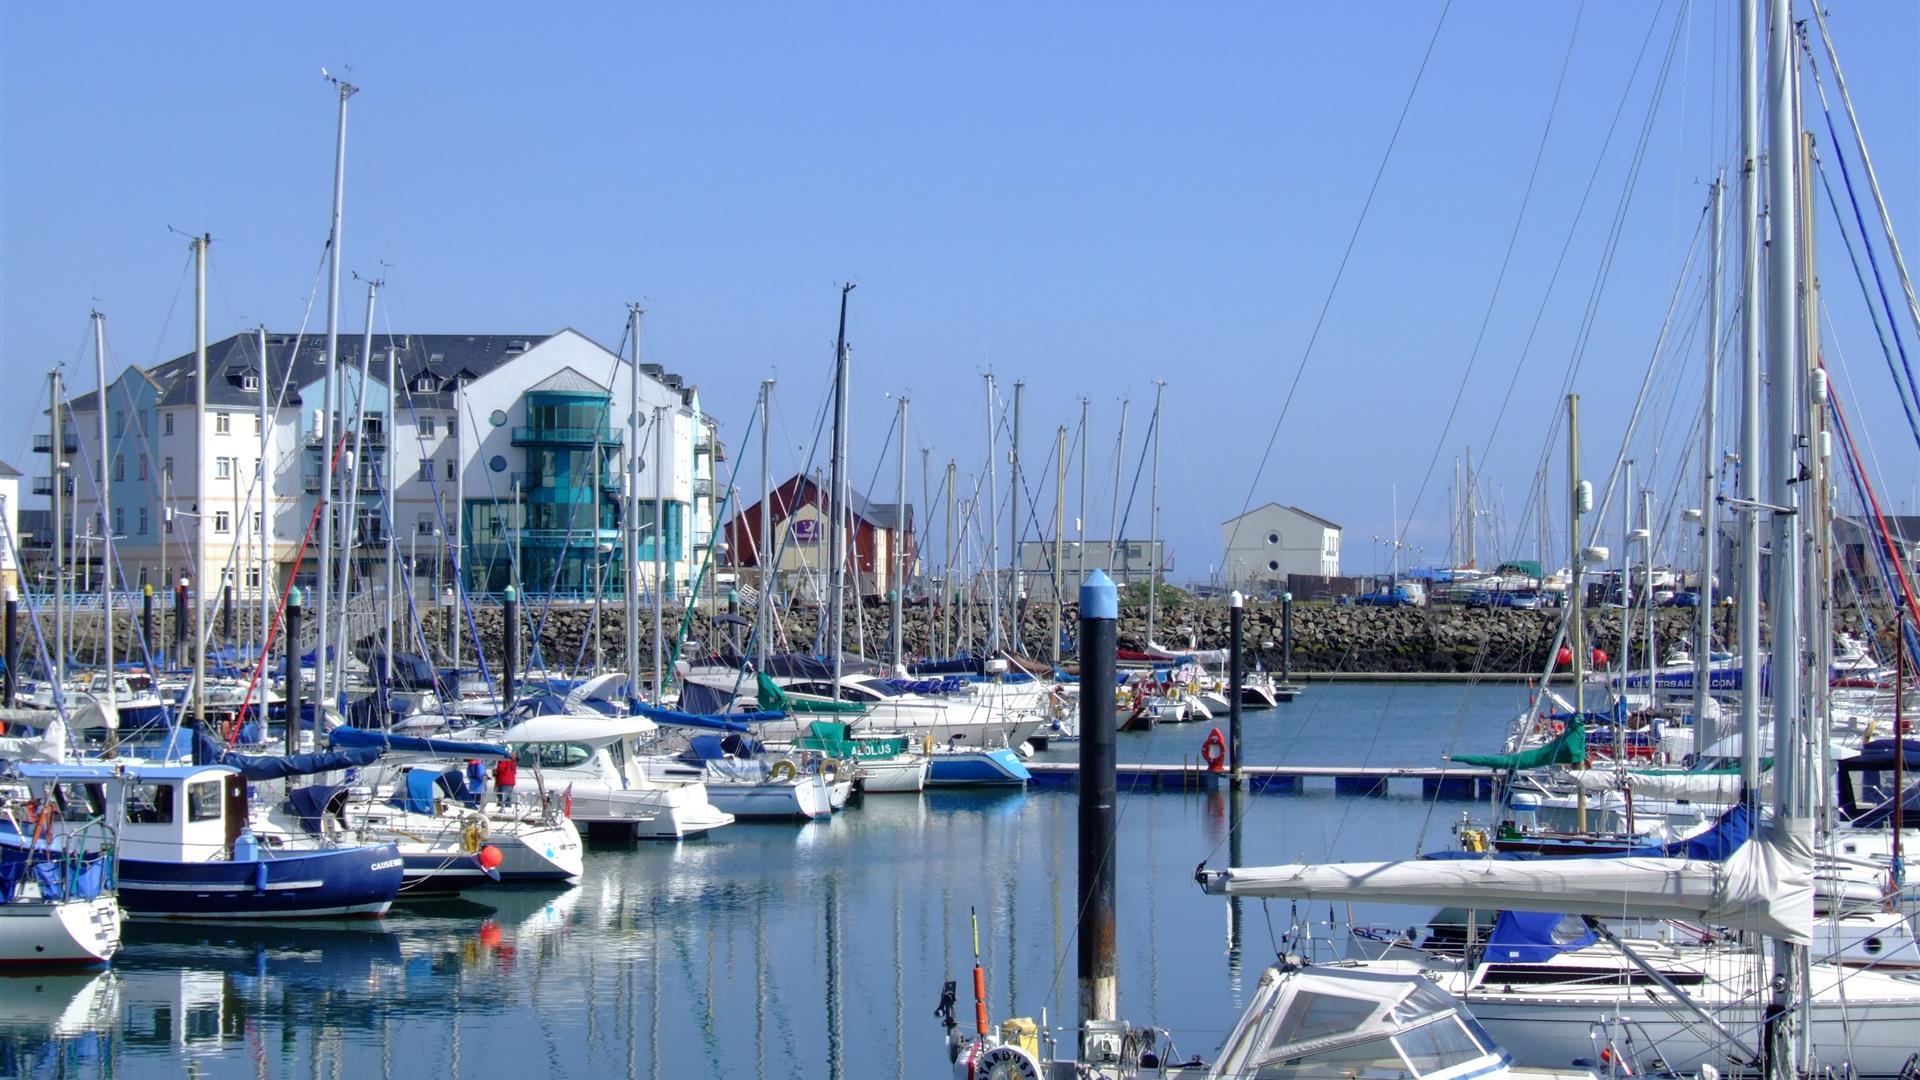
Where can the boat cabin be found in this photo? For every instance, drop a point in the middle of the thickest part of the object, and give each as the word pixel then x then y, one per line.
pixel 1311 1022
pixel 190 813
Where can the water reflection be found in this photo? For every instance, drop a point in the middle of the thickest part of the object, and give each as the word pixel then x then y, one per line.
pixel 760 950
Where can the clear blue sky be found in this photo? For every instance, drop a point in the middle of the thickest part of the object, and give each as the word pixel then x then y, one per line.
pixel 1083 197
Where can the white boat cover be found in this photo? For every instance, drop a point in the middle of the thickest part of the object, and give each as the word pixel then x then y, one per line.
pixel 1765 886
pixel 1719 788
pixel 50 746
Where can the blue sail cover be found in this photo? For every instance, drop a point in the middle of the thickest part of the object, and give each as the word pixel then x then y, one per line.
pixel 1535 937
pixel 268 767
pixel 734 722
pixel 1716 843
pixel 355 738
pixel 312 804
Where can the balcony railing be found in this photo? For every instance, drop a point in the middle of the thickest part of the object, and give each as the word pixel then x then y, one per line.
pixel 575 538
pixel 566 436
pixel 43 485
pixel 43 444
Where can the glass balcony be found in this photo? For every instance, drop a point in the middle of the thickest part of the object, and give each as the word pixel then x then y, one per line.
pixel 567 436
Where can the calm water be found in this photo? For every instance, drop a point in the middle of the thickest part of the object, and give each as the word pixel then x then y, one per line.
pixel 765 950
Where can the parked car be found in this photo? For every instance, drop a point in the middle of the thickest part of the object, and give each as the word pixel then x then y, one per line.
pixel 1689 598
pixel 1396 596
pixel 1526 599
pixel 1480 598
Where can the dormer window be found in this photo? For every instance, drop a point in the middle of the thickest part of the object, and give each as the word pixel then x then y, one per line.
pixel 424 385
pixel 249 382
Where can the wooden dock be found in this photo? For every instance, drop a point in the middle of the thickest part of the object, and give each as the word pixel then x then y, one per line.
pixel 1456 784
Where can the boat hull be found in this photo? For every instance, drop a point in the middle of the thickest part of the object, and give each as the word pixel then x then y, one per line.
pixel 893 777
pixel 803 798
pixel 977 768
pixel 330 883
pixel 64 933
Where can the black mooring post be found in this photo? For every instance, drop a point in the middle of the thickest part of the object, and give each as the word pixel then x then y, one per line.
pixel 13 643
pixel 180 622
pixel 510 634
pixel 295 701
pixel 226 613
pixel 146 616
pixel 1099 626
pixel 1286 637
pixel 1236 675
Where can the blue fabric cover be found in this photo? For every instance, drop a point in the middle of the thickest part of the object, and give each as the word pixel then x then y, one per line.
pixel 345 738
pixel 269 767
pixel 734 722
pixel 311 804
pixel 1534 937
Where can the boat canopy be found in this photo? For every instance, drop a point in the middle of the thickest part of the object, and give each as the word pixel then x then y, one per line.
pixel 774 699
pixel 1535 937
pixel 1766 885
pixel 590 730
pixel 313 803
pixel 347 738
pixel 1867 795
pixel 278 767
pixel 733 722
pixel 1567 748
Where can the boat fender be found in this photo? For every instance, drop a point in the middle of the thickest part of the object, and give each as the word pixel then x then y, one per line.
pixel 260 876
pixel 782 770
pixel 1214 751
pixel 829 771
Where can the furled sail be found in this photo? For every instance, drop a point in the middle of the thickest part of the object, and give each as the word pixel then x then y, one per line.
pixel 1567 748
pixel 1765 885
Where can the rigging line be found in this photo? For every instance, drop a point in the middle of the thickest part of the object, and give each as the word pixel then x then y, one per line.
pixel 1326 304
pixel 1873 180
pixel 1499 279
pixel 1573 227
pixel 1873 313
pixel 1873 261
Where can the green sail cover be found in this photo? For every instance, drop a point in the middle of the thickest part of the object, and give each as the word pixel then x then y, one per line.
pixel 1567 748
pixel 834 740
pixel 774 699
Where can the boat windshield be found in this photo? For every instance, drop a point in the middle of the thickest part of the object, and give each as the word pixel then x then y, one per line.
pixel 1340 1028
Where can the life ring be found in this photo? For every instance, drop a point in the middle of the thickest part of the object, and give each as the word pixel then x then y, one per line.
pixel 1214 751
pixel 782 770
pixel 830 771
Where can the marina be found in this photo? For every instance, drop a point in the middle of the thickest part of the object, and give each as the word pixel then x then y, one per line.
pixel 533 652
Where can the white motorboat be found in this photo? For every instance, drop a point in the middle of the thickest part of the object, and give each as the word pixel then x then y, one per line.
pixel 56 908
pixel 595 765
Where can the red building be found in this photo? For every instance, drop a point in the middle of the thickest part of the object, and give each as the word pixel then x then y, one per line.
pixel 801 509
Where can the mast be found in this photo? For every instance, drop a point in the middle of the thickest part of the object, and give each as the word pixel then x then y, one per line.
pixel 599 562
pixel 993 528
pixel 950 613
pixel 1014 491
pixel 835 553
pixel 1113 515
pixel 391 430
pixel 1749 487
pixel 265 531
pixel 1153 517
pixel 765 605
pixel 1624 661
pixel 659 551
pixel 1470 522
pixel 631 542
pixel 1059 534
pixel 1707 731
pixel 322 592
pixel 1784 380
pixel 1080 522
pixel 106 512
pixel 200 523
pixel 57 484
pixel 1577 630
pixel 355 462
pixel 900 550
pixel 455 540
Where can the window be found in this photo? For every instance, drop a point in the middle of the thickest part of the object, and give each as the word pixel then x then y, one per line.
pixel 426 468
pixel 166 423
pixel 256 521
pixel 554 755
pixel 143 577
pixel 143 521
pixel 223 468
pixel 119 521
pixel 166 469
pixel 450 468
pixel 222 423
pixel 249 382
pixel 258 423
pixel 203 801
pixel 424 385
pixel 143 466
pixel 119 466
pixel 222 521
pixel 424 526
pixel 149 804
pixel 1273 538
pixel 119 422
pixel 253 577
pixel 427 428
pixel 167 522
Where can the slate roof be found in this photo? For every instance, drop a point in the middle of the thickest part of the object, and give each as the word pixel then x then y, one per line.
pixel 441 357
pixel 1308 514
pixel 8 470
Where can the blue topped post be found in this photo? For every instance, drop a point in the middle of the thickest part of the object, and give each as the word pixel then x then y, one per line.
pixel 295 703
pixel 510 636
pixel 1236 675
pixel 1099 640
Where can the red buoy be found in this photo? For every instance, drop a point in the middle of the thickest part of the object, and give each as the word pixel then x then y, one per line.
pixel 1564 658
pixel 490 857
pixel 1599 657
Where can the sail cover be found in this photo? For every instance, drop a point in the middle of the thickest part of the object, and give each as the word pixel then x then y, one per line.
pixel 1567 748
pixel 1699 787
pixel 1765 886
pixel 774 699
